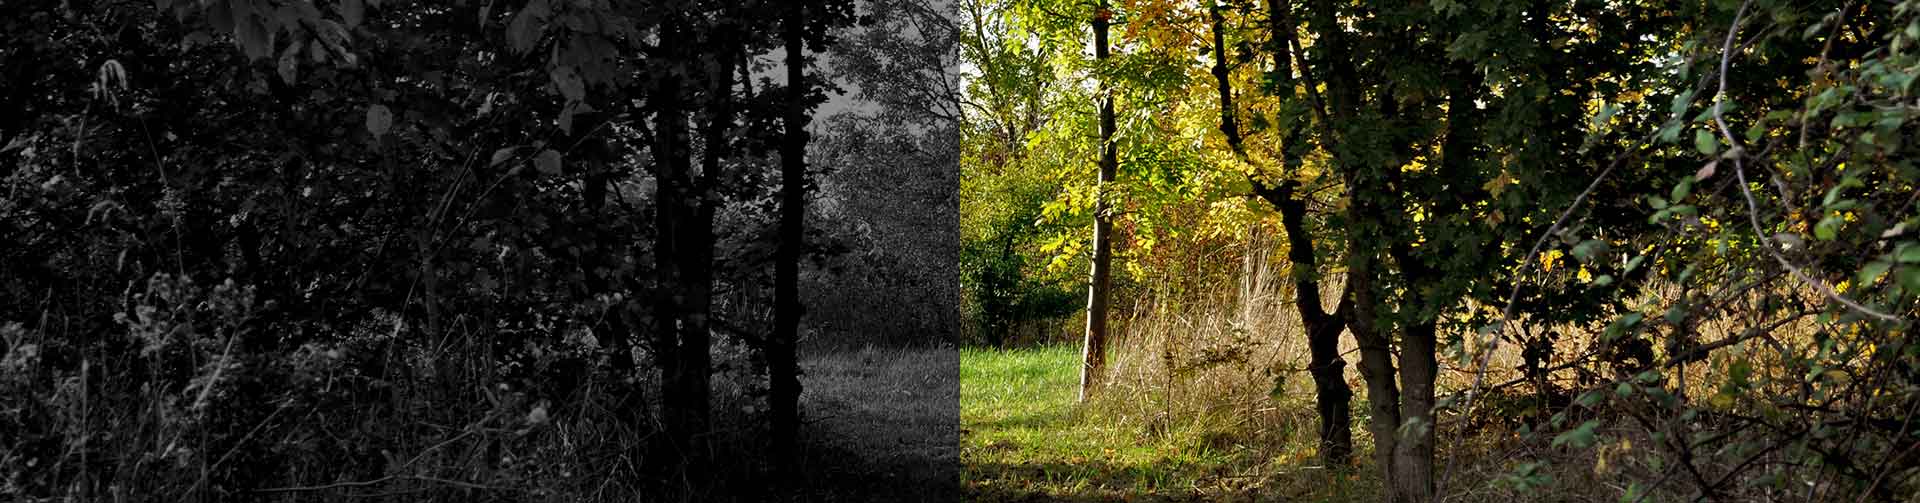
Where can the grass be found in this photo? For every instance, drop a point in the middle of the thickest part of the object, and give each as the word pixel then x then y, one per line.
pixel 881 423
pixel 1024 438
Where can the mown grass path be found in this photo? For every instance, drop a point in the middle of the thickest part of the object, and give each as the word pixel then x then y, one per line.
pixel 1024 439
pixel 881 425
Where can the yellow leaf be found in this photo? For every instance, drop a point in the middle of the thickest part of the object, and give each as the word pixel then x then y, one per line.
pixel 1549 258
pixel 1498 185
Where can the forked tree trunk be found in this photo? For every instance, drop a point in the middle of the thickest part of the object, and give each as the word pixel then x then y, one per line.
pixel 782 362
pixel 1333 399
pixel 1093 354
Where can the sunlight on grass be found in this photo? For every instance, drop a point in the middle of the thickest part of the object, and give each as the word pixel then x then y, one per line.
pixel 1023 437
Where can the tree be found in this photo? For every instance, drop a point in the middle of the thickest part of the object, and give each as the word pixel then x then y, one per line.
pixel 785 392
pixel 1094 348
pixel 1323 328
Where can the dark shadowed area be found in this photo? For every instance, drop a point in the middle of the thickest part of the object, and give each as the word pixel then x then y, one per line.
pixel 518 250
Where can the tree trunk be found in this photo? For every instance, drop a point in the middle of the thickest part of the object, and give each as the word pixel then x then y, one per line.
pixel 718 63
pixel 1412 479
pixel 782 361
pixel 1376 358
pixel 1094 352
pixel 681 298
pixel 1332 396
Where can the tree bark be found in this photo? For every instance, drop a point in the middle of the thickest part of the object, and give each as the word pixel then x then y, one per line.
pixel 1094 351
pixel 782 361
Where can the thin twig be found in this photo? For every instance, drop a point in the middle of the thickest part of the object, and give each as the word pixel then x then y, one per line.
pixel 382 480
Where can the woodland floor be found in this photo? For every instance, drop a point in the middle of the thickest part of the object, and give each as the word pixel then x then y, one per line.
pixel 881 425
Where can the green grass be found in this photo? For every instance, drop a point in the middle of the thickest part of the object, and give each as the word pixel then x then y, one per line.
pixel 1024 438
pixel 1023 435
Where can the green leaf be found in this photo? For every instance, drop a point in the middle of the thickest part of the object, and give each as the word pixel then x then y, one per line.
pixel 1681 190
pixel 1756 132
pixel 1909 253
pixel 289 64
pixel 1670 132
pixel 1619 326
pixel 1635 493
pixel 1606 112
pixel 1586 250
pixel 1579 438
pixel 1676 314
pixel 1591 398
pixel 1680 102
pixel 1828 228
pixel 548 162
pixel 569 83
pixel 1705 142
pixel 254 37
pixel 1910 278
pixel 1873 271
pixel 524 31
pixel 353 12
pixel 379 119
pixel 1623 390
pixel 1647 377
pixel 502 155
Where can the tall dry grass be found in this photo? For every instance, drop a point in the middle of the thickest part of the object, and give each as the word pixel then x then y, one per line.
pixel 1223 358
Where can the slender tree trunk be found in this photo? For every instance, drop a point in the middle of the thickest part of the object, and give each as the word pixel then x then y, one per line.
pixel 718 63
pixel 1094 352
pixel 1332 396
pixel 682 252
pixel 782 362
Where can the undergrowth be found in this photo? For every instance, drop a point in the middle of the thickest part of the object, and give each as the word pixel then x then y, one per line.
pixel 186 402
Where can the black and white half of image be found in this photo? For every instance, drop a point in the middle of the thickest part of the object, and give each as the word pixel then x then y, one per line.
pixel 479 250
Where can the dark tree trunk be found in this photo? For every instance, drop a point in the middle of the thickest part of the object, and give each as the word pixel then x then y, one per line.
pixel 1412 475
pixel 1323 336
pixel 682 251
pixel 1332 396
pixel 782 362
pixel 1094 352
